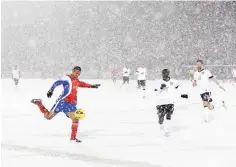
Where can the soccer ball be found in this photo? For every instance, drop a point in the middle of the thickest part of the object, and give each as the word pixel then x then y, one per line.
pixel 80 114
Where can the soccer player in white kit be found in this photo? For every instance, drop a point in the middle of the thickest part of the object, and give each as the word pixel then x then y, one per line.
pixel 202 79
pixel 166 95
pixel 141 72
pixel 126 74
pixel 16 75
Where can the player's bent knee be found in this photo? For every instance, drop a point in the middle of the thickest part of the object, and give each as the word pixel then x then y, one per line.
pixel 47 116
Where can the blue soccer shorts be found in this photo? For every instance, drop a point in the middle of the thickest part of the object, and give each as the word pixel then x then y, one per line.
pixel 63 106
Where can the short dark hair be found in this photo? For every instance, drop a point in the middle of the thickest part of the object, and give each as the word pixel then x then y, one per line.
pixel 199 61
pixel 77 68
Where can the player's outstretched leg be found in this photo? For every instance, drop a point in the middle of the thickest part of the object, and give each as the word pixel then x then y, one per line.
pixel 48 115
pixel 165 110
pixel 74 126
pixel 139 84
pixel 207 105
pixel 161 117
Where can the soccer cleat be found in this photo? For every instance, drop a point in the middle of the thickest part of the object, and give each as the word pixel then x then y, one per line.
pixel 36 101
pixel 76 140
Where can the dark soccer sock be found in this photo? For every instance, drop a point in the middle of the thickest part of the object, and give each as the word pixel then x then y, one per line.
pixel 42 108
pixel 74 129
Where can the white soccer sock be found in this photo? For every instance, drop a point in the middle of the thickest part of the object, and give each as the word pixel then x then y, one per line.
pixel 165 127
pixel 162 128
pixel 168 125
pixel 206 114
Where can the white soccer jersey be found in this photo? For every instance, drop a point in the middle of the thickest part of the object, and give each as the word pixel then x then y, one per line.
pixel 16 73
pixel 234 73
pixel 141 72
pixel 168 94
pixel 202 79
pixel 126 72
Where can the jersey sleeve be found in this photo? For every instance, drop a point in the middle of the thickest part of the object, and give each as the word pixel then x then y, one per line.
pixel 83 84
pixel 158 88
pixel 176 84
pixel 57 83
pixel 209 74
pixel 195 76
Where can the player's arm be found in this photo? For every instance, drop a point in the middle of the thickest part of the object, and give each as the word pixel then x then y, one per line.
pixel 217 82
pixel 211 77
pixel 191 74
pixel 55 84
pixel 194 81
pixel 176 84
pixel 86 85
pixel 160 88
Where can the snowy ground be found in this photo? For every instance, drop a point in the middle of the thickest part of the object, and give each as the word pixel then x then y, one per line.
pixel 120 129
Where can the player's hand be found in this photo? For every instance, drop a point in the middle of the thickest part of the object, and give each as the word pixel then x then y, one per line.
pixel 194 83
pixel 49 94
pixel 95 86
pixel 163 86
pixel 184 96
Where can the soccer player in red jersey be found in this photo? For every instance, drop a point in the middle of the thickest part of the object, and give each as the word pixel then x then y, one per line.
pixel 67 101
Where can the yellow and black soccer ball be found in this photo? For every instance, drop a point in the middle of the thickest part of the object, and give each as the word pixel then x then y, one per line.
pixel 80 114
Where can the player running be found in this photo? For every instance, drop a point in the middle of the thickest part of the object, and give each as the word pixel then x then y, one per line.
pixel 141 73
pixel 114 74
pixel 166 95
pixel 16 75
pixel 67 101
pixel 202 79
pixel 126 74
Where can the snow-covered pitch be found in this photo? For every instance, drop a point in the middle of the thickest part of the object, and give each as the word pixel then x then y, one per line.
pixel 120 129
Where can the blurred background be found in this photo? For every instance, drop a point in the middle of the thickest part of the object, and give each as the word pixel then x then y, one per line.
pixel 46 39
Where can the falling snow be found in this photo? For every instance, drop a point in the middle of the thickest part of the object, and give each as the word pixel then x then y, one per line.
pixel 99 35
pixel 46 39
